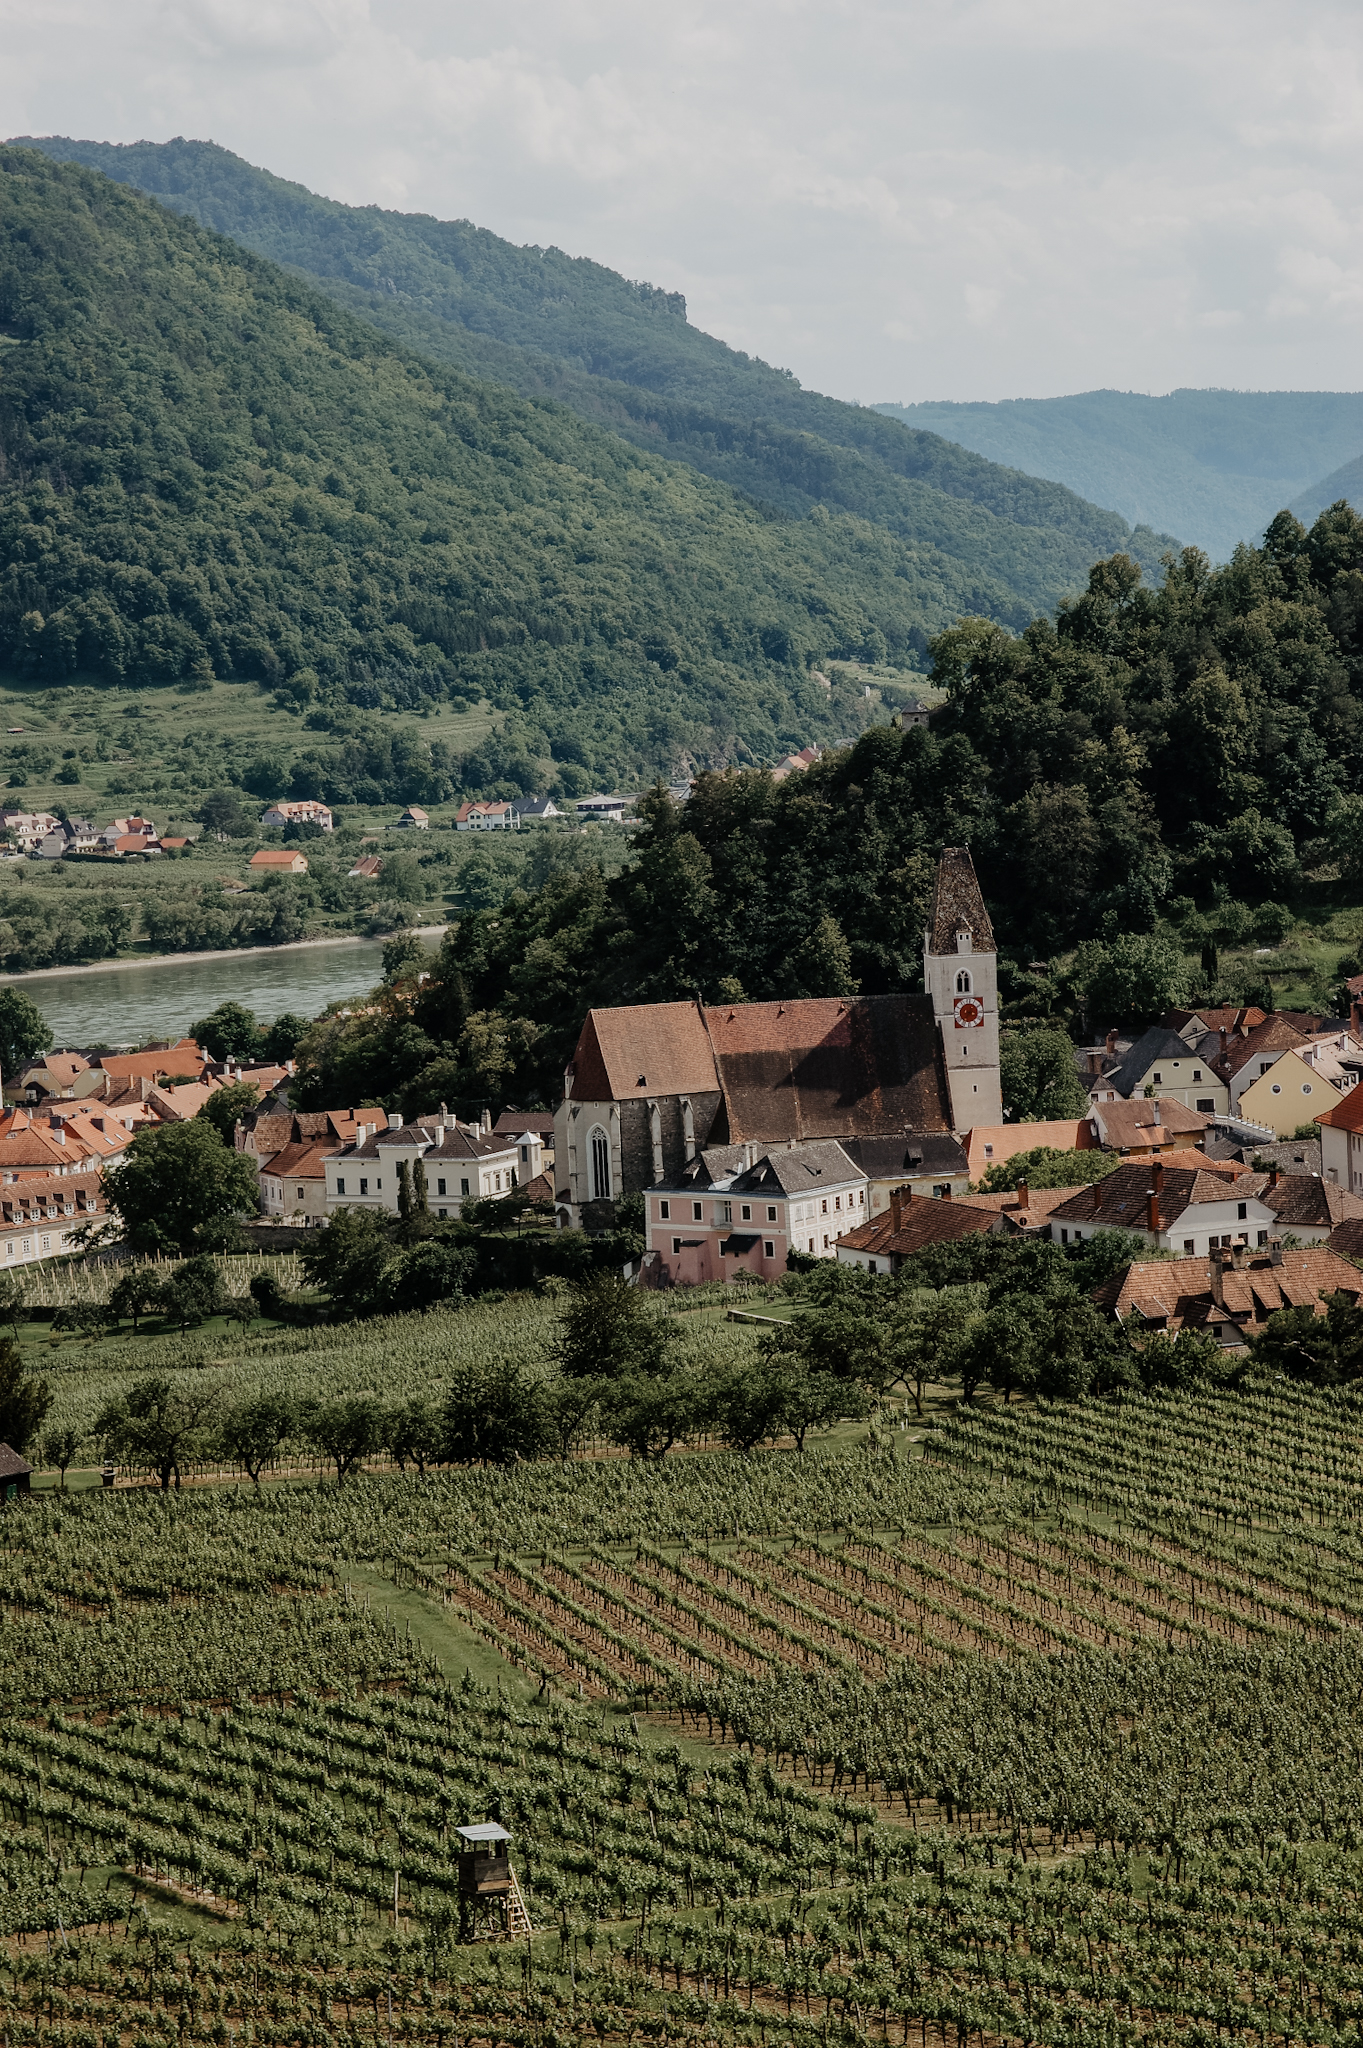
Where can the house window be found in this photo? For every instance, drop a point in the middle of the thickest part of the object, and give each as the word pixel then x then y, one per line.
pixel 1157 1077
pixel 870 1265
pixel 1263 1237
pixel 9 1251
pixel 745 1212
pixel 301 1193
pixel 340 1187
pixel 1188 1245
pixel 463 1187
pixel 723 1246
pixel 837 1201
pixel 1064 1237
pixel 665 1212
pixel 988 1151
pixel 1306 1087
pixel 697 1212
pixel 825 1244
pixel 811 1244
pixel 1277 1087
pixel 1206 1102
pixel 963 983
pixel 941 1189
pixel 364 1187
pixel 724 1212
pixel 601 1166
pixel 823 1208
pixel 769 1249
pixel 26 1245
pixel 1197 1073
pixel 1264 1066
pixel 771 1212
pixel 525 1155
pixel 440 1187
pixel 676 1247
pixel 442 1212
pixel 379 1185
pixel 47 1244
pixel 1242 1211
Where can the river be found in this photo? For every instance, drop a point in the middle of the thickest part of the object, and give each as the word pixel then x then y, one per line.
pixel 161 998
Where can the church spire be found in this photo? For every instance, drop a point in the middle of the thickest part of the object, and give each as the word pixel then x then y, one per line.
pixel 958 906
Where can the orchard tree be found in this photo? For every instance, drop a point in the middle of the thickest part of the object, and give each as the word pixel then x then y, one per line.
pixel 159 1425
pixel 177 1180
pixel 24 1399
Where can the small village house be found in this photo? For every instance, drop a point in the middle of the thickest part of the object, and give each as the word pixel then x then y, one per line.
pixel 1195 1210
pixel 741 1208
pixel 1145 1127
pixel 530 809
pixel 1229 1293
pixel 15 1475
pixel 413 819
pixel 39 1213
pixel 306 812
pixel 929 1162
pixel 603 810
pixel 285 860
pixel 1162 1063
pixel 911 1222
pixel 1283 1095
pixel 486 817
pixel 367 868
pixel 987 1145
pixel 1341 1141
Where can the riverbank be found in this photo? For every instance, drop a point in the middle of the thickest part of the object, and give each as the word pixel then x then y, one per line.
pixel 127 960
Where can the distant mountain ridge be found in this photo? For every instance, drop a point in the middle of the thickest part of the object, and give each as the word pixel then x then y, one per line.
pixel 1213 466
pixel 622 355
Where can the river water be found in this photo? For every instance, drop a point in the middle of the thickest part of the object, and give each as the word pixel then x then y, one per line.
pixel 163 997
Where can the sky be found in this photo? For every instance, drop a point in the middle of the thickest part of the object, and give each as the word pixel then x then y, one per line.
pixel 963 199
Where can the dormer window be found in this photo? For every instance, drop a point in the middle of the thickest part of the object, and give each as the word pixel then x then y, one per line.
pixel 962 942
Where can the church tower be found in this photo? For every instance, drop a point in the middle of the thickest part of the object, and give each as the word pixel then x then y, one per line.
pixel 960 973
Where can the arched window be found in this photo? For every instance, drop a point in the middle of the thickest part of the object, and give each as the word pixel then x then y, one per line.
pixel 963 983
pixel 601 1166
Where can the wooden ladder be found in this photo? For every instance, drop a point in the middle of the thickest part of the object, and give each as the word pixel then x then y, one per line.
pixel 517 1919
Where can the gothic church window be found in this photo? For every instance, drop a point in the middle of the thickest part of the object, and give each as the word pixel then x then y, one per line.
pixel 963 983
pixel 601 1166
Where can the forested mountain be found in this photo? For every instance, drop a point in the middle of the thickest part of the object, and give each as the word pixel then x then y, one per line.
pixel 1151 775
pixel 624 356
pixel 210 467
pixel 1345 482
pixel 1211 466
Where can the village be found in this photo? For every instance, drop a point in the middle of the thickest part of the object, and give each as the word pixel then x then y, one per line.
pixel 750 1139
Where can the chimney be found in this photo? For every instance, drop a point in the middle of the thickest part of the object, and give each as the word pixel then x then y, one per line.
pixel 946 1194
pixel 1240 1257
pixel 1225 1041
pixel 487 1120
pixel 394 1120
pixel 1152 1214
pixel 896 1210
pixel 1275 1251
pixel 1274 1174
pixel 1215 1275
pixel 1112 1043
pixel 1157 1177
pixel 1023 1197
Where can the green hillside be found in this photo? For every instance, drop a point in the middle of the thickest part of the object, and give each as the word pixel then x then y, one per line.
pixel 1344 482
pixel 1213 466
pixel 623 356
pixel 211 469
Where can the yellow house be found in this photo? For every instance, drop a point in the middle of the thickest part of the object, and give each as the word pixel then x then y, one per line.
pixel 1290 1093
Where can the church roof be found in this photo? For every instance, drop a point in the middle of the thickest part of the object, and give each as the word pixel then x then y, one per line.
pixel 830 1067
pixel 958 905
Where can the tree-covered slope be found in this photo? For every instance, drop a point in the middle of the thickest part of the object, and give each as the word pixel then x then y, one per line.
pixel 624 356
pixel 1212 466
pixel 1345 482
pixel 209 467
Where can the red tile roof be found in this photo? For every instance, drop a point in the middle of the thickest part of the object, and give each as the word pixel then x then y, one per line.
pixel 995 1144
pixel 641 1050
pixel 828 1067
pixel 923 1221
pixel 1174 1293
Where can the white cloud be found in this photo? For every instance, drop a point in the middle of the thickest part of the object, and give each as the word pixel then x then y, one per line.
pixel 964 198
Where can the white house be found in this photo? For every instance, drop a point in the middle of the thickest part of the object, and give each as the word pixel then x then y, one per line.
pixel 305 813
pixel 486 818
pixel 1192 1211
pixel 461 1162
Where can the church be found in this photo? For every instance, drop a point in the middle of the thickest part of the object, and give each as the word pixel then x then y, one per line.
pixel 651 1085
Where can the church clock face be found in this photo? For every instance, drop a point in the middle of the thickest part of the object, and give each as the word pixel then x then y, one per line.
pixel 968 1012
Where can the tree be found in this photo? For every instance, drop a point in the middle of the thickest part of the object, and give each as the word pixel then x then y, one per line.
pixel 24 1031
pixel 223 811
pixel 493 1415
pixel 159 1425
pixel 346 1432
pixel 176 1179
pixel 194 1292
pixel 1130 980
pixel 89 1317
pixel 1325 1351
pixel 350 1260
pixel 24 1399
pixel 255 1431
pixel 429 1273
pixel 780 1396
pixel 1044 1166
pixel 281 1039
pixel 648 1412
pixel 59 1448
pixel 12 1303
pixel 608 1329
pixel 1175 1363
pixel 228 1033
pixel 415 1431
pixel 1038 1076
pixel 404 956
pixel 136 1293
pixel 924 1338
pixel 226 1107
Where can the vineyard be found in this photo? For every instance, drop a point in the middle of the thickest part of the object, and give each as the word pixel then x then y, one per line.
pixel 1050 1732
